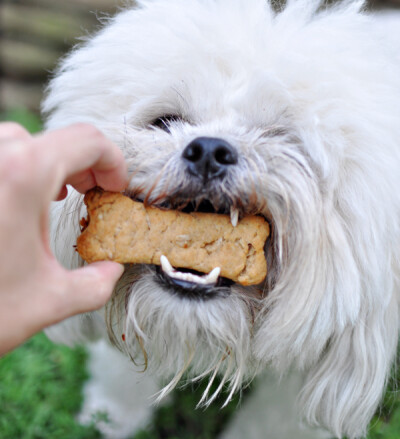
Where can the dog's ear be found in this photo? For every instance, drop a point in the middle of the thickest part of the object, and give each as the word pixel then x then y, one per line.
pixel 344 388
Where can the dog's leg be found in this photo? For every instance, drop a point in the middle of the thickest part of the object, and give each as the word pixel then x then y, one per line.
pixel 116 397
pixel 269 412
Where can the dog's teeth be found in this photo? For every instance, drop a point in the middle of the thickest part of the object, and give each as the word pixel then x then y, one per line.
pixel 212 276
pixel 165 265
pixel 207 279
pixel 234 216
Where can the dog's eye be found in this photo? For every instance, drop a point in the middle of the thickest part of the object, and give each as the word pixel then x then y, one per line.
pixel 164 122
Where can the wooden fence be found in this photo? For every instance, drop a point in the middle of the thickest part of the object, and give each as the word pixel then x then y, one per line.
pixel 34 34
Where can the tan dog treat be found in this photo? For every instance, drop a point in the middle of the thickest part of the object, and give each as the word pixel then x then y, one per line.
pixel 122 230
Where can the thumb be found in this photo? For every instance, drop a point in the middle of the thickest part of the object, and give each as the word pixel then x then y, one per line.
pixel 90 287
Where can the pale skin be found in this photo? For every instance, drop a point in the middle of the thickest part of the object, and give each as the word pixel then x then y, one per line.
pixel 35 290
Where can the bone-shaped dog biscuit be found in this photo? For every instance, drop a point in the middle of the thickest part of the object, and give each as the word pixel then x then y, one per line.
pixel 122 230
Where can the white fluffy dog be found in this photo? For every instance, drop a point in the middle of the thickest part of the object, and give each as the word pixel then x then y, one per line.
pixel 293 115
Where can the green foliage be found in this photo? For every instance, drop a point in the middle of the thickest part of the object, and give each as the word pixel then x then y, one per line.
pixel 40 392
pixel 31 121
pixel 179 419
pixel 386 423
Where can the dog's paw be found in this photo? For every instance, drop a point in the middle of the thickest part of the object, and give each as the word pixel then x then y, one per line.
pixel 270 412
pixel 117 399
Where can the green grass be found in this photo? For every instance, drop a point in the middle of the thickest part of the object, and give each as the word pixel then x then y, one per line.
pixel 41 390
pixel 180 419
pixel 29 120
pixel 386 423
pixel 40 394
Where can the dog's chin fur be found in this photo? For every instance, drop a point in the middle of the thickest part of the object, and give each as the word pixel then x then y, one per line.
pixel 172 334
pixel 310 98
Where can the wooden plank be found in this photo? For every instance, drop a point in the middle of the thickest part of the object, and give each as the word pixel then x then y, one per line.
pixel 15 94
pixel 48 27
pixel 27 60
pixel 109 6
pixel 34 34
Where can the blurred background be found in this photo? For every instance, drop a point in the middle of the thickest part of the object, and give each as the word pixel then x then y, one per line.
pixel 41 384
pixel 35 33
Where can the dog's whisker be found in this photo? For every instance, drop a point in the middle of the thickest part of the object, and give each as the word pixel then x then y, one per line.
pixel 164 189
pixel 144 353
pixel 224 380
pixel 173 383
pixel 172 180
pixel 204 398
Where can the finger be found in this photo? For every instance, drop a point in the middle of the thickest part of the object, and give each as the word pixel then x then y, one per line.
pixel 13 131
pixel 83 181
pixel 90 287
pixel 81 150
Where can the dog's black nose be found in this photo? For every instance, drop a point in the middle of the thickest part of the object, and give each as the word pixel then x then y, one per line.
pixel 209 157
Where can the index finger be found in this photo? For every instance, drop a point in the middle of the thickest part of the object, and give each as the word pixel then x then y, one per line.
pixel 82 151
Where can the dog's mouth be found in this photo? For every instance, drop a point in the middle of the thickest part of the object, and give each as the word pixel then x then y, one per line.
pixel 189 283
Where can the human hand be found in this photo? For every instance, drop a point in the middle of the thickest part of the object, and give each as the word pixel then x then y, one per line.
pixel 35 290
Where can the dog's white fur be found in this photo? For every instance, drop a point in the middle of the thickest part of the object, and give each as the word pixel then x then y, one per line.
pixel 310 98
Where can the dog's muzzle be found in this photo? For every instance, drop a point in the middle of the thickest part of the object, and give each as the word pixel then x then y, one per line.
pixel 208 163
pixel 206 159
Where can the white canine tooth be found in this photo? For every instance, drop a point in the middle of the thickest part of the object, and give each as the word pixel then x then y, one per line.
pixel 212 276
pixel 234 216
pixel 165 265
